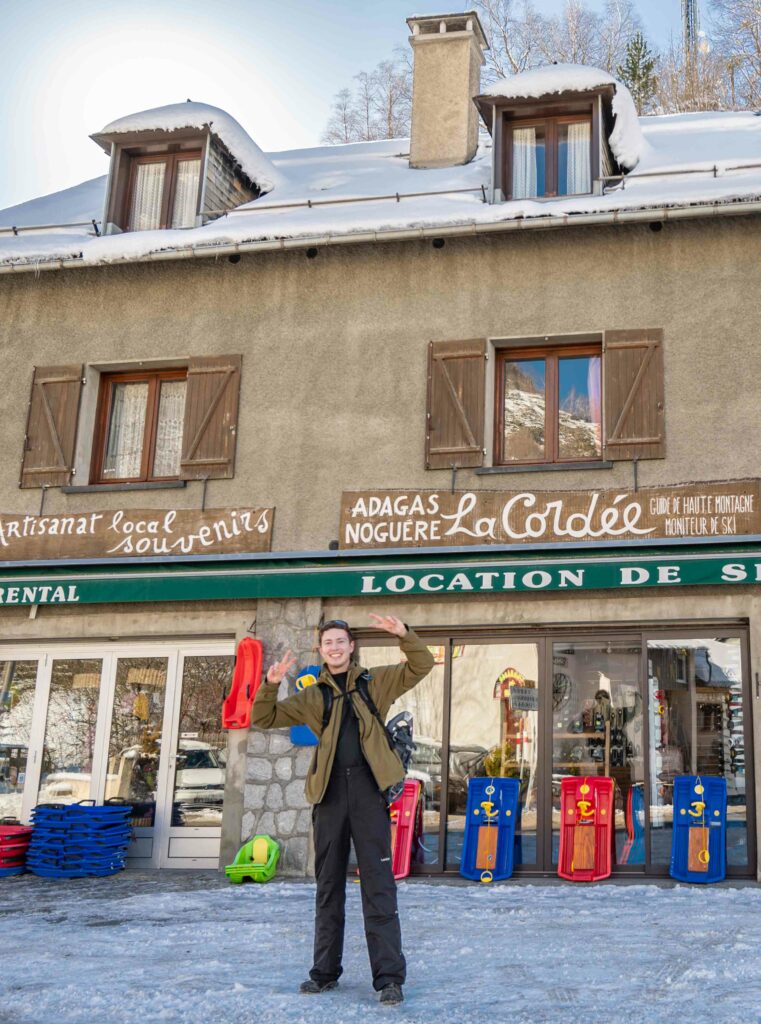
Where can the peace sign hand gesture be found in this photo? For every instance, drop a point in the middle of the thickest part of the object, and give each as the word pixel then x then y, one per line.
pixel 390 624
pixel 276 672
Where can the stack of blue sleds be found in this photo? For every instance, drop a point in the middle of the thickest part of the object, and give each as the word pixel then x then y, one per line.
pixel 79 840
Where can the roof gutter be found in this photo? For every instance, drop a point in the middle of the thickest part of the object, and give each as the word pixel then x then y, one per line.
pixel 471 228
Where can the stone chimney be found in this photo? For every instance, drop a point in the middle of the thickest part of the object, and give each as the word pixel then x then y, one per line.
pixel 447 58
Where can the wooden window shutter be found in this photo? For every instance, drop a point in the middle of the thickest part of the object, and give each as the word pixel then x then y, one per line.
pixel 211 418
pixel 633 387
pixel 51 426
pixel 455 414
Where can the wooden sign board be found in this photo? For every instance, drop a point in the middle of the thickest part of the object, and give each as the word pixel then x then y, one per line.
pixel 126 533
pixel 399 519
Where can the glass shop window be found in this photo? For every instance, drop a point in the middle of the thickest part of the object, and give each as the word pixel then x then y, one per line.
pixel 696 728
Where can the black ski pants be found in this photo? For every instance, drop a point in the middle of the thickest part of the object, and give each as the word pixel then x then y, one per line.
pixel 353 808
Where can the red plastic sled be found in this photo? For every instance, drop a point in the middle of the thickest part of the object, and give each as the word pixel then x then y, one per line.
pixel 247 676
pixel 404 821
pixel 586 829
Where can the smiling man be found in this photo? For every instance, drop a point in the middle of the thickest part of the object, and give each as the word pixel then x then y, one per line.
pixel 354 764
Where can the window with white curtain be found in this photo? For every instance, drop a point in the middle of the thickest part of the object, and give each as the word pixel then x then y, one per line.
pixel 126 430
pixel 164 191
pixel 147 196
pixel 550 157
pixel 140 421
pixel 528 162
pixel 574 163
pixel 166 461
pixel 185 193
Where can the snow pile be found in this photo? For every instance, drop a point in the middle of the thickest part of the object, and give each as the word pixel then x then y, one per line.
pixel 200 115
pixel 626 139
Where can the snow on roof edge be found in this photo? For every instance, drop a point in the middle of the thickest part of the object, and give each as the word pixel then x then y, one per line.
pixel 626 140
pixel 174 116
pixel 77 256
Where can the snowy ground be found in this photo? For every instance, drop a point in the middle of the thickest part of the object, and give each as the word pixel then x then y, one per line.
pixel 174 947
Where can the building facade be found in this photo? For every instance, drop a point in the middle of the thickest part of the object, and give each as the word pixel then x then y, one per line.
pixel 518 412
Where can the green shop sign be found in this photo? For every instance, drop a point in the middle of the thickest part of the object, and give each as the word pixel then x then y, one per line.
pixel 377 577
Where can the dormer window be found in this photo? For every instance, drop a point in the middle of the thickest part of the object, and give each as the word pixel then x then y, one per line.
pixel 163 191
pixel 550 157
pixel 560 130
pixel 179 166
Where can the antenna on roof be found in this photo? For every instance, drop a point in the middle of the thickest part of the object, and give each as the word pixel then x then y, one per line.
pixel 690 29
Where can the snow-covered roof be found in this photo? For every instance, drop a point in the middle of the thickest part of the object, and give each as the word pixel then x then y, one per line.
pixel 626 141
pixel 177 116
pixel 308 206
pixel 550 80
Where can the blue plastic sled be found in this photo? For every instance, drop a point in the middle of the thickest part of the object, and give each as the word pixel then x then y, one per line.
pixel 302 735
pixel 489 840
pixel 698 844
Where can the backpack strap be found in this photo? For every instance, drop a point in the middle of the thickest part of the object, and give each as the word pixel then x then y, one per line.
pixel 363 687
pixel 327 704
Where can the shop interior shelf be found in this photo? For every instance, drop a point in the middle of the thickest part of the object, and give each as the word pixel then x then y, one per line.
pixel 577 764
pixel 575 735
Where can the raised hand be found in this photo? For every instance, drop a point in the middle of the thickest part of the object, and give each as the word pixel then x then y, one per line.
pixel 279 669
pixel 389 623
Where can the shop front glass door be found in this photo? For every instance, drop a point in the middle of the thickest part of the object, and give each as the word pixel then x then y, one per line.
pixel 70 730
pixel 696 728
pixel 494 733
pixel 201 746
pixel 191 806
pixel 426 705
pixel 597 729
pixel 134 746
pixel 17 687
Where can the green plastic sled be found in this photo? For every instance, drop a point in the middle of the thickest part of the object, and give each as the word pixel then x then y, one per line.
pixel 256 859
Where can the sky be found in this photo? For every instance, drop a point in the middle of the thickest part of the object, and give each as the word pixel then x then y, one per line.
pixel 68 67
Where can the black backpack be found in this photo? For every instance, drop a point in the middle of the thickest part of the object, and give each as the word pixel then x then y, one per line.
pixel 398 732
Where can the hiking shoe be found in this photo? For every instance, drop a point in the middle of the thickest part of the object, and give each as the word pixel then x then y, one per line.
pixel 314 988
pixel 391 995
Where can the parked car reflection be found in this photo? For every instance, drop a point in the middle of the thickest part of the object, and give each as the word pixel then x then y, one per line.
pixel 464 764
pixel 199 785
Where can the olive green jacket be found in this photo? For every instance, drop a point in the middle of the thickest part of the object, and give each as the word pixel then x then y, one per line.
pixel 387 684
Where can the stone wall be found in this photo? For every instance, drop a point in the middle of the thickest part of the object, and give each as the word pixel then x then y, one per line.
pixel 274 803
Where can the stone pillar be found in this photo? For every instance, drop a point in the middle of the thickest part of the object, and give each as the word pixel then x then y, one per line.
pixel 273 802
